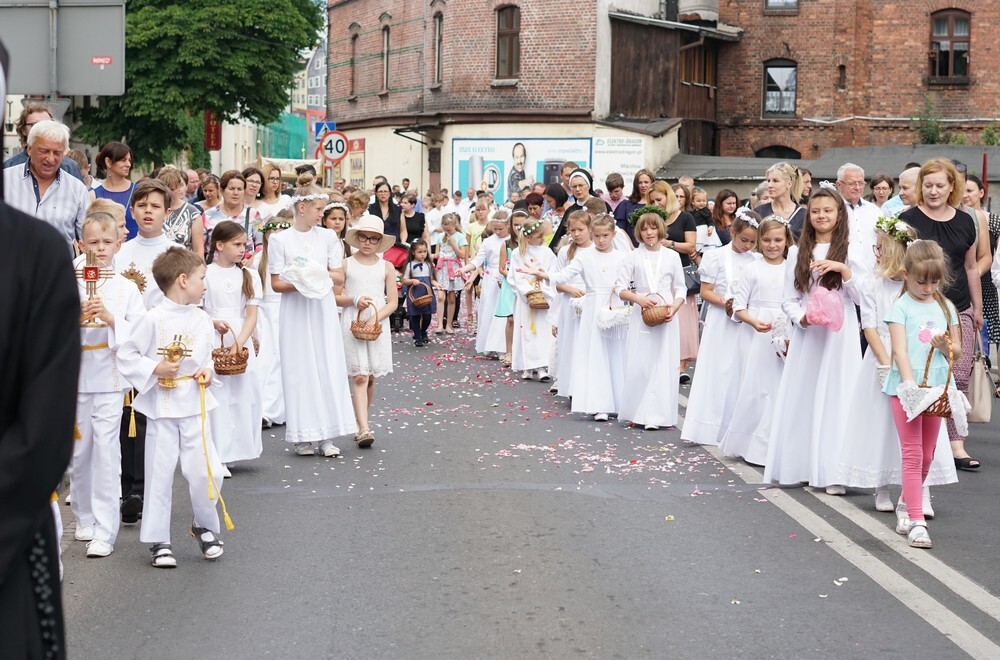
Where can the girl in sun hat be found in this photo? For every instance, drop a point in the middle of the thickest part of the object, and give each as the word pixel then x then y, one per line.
pixel 369 291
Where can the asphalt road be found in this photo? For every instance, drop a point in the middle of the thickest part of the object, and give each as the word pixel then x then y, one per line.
pixel 487 521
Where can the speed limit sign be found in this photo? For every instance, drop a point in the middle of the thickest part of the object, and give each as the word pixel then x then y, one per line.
pixel 333 146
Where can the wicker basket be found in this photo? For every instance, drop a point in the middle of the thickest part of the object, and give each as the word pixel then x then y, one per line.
pixel 941 407
pixel 227 364
pixel 536 299
pixel 419 302
pixel 365 330
pixel 654 316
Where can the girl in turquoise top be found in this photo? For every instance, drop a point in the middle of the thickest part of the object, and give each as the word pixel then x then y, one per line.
pixel 920 321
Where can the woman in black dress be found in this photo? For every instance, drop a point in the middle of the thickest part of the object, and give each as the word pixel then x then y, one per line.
pixel 416 224
pixel 383 207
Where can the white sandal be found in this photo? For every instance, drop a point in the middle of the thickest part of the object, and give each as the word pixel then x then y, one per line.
pixel 918 536
pixel 162 556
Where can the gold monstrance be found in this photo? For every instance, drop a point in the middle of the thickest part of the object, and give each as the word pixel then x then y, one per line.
pixel 173 352
pixel 93 275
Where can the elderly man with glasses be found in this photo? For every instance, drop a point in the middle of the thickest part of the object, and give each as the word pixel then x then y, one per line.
pixel 861 216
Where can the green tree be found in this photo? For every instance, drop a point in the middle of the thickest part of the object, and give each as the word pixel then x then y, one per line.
pixel 927 124
pixel 237 58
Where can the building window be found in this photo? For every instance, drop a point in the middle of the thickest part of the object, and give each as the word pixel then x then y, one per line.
pixel 949 52
pixel 778 152
pixel 779 88
pixel 438 38
pixel 508 42
pixel 385 58
pixel 354 67
pixel 781 4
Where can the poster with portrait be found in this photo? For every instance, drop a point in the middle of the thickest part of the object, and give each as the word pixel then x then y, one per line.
pixel 502 165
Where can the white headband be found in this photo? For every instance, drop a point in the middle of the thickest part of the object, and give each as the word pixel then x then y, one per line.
pixel 337 205
pixel 827 185
pixel 309 198
pixel 743 215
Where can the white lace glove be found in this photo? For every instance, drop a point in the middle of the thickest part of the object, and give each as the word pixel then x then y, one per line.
pixel 909 398
pixel 883 373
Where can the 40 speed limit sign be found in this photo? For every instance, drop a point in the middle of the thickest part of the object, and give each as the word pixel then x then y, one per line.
pixel 333 146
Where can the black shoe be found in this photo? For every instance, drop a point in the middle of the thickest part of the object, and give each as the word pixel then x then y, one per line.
pixel 131 509
pixel 685 378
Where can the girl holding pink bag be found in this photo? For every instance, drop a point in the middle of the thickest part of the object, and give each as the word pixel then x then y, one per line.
pixel 824 352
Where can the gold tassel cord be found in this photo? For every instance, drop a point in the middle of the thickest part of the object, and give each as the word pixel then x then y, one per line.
pixel 76 432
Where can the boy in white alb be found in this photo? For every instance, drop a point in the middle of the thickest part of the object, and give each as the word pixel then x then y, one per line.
pixel 105 323
pixel 168 359
pixel 134 261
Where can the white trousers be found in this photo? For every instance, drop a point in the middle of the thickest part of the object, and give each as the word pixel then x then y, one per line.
pixel 95 472
pixel 168 440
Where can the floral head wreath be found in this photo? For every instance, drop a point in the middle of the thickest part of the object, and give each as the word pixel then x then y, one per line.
pixel 337 205
pixel 633 218
pixel 898 230
pixel 275 225
pixel 531 229
pixel 744 215
pixel 776 218
pixel 309 198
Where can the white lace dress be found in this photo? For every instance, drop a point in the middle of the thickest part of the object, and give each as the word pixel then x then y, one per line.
pixel 372 358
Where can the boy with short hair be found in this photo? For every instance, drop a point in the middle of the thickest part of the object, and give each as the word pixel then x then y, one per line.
pixel 134 261
pixel 105 323
pixel 168 359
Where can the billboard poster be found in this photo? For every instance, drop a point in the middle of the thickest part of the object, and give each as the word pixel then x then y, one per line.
pixel 625 155
pixel 356 160
pixel 499 165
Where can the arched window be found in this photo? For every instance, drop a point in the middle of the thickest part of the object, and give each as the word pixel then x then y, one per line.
pixel 949 53
pixel 354 63
pixel 508 42
pixel 779 88
pixel 778 152
pixel 385 58
pixel 438 42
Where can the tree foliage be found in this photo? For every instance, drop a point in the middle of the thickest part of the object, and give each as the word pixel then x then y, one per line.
pixel 237 58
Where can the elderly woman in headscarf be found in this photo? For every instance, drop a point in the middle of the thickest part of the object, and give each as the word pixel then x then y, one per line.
pixel 581 184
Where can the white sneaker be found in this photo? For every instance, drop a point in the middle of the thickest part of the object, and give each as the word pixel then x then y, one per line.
pixel 525 375
pixel 601 417
pixel 836 490
pixel 84 533
pixel 305 449
pixel 903 525
pixel 652 427
pixel 98 548
pixel 328 449
pixel 226 474
pixel 918 536
pixel 883 500
pixel 554 387
pixel 543 375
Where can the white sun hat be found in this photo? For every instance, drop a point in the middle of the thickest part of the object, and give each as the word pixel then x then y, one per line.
pixel 370 224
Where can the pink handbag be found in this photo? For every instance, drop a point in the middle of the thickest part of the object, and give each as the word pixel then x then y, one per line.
pixel 826 308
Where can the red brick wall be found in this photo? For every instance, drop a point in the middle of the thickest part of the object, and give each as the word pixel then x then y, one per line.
pixel 558 49
pixel 883 45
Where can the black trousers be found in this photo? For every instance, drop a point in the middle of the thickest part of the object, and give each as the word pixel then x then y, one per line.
pixel 133 453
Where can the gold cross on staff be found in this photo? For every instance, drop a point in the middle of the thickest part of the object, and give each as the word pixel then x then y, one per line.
pixel 173 352
pixel 93 274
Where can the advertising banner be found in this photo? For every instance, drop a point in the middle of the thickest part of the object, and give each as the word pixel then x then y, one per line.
pixel 500 165
pixel 625 155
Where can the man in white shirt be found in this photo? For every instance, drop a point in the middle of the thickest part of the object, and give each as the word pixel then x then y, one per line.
pixel 40 188
pixel 861 216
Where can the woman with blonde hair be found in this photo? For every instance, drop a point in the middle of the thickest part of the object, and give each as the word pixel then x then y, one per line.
pixel 784 187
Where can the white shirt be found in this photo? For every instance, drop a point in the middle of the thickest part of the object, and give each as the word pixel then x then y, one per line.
pixel 135 262
pixel 862 218
pixel 139 355
pixel 98 366
pixel 64 204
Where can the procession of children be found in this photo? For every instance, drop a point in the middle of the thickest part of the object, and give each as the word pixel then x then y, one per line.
pixel 288 323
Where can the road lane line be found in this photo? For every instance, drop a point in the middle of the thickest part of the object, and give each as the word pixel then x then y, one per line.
pixel 915 599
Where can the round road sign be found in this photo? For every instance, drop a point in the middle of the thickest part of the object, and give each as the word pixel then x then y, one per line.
pixel 333 146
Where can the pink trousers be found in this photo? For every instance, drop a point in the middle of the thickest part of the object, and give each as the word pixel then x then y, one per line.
pixel 917 440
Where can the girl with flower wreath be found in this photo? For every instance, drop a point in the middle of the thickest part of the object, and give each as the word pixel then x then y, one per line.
pixel 682 239
pixel 870 457
pixel 532 344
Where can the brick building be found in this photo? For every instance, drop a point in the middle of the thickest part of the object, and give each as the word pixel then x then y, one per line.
pixel 813 74
pixel 456 93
